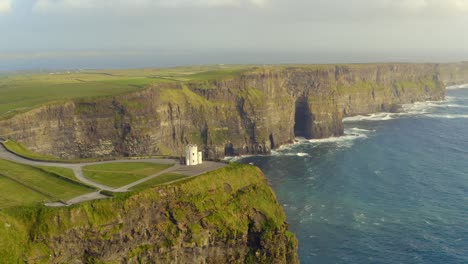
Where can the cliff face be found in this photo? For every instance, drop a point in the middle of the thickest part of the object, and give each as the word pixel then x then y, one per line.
pixel 454 73
pixel 227 216
pixel 248 114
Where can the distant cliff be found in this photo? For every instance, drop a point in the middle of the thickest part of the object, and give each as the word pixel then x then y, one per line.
pixel 226 216
pixel 454 73
pixel 251 113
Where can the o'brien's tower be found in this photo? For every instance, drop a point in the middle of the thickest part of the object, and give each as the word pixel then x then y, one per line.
pixel 192 155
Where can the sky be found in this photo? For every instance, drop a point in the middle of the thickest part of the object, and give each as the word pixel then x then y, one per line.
pixel 140 33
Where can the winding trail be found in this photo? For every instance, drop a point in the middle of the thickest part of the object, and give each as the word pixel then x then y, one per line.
pixel 77 168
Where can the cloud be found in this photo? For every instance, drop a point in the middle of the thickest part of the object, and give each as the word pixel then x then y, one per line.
pixel 431 6
pixel 289 9
pixel 5 6
pixel 63 5
pixel 367 11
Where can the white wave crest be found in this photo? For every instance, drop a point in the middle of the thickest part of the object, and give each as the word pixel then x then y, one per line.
pixel 357 129
pixel 345 141
pixel 450 98
pixel 457 106
pixel 428 108
pixel 290 154
pixel 454 87
pixel 448 116
pixel 420 108
pixel 372 117
pixel 236 158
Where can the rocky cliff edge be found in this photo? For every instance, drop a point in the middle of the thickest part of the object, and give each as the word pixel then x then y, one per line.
pixel 252 112
pixel 227 216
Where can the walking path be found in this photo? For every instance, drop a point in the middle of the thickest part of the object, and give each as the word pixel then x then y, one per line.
pixel 77 169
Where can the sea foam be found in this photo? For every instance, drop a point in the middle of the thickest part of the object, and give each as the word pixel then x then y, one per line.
pixel 372 117
pixel 345 141
pixel 421 108
pixel 448 116
pixel 461 86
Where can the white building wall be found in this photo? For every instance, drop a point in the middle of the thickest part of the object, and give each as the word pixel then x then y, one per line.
pixel 192 155
pixel 200 157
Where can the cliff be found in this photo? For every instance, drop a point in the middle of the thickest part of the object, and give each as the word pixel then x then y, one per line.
pixel 454 73
pixel 248 113
pixel 226 216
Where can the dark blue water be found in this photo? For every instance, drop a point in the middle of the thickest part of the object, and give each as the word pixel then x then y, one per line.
pixel 394 190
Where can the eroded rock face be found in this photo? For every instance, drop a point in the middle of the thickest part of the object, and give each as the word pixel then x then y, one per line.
pixel 249 114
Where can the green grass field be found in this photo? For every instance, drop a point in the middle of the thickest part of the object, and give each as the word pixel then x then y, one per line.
pixel 15 194
pixel 25 185
pixel 120 174
pixel 64 172
pixel 21 92
pixel 161 179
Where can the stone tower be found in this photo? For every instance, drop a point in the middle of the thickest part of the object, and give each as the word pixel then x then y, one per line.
pixel 192 155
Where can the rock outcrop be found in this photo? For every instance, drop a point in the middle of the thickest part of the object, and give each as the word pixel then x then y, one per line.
pixel 252 113
pixel 227 216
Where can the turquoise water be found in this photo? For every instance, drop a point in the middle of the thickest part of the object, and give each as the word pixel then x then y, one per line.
pixel 393 190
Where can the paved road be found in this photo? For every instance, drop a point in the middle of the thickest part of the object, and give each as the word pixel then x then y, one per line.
pixel 79 199
pixel 190 171
pixel 77 168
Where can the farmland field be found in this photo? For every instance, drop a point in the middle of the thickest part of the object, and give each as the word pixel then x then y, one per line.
pixel 20 92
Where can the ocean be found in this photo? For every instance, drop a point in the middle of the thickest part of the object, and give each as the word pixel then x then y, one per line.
pixel 394 189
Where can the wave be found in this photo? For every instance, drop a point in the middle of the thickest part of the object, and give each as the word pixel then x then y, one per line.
pixel 457 106
pixel 428 108
pixel 372 117
pixel 236 158
pixel 419 108
pixel 448 116
pixel 449 98
pixel 290 154
pixel 454 87
pixel 456 98
pixel 345 137
pixel 357 129
pixel 345 141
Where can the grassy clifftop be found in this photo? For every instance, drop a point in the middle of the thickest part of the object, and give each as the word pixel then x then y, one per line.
pixel 228 110
pixel 226 216
pixel 22 91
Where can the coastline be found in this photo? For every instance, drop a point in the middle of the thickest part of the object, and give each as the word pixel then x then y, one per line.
pixel 352 133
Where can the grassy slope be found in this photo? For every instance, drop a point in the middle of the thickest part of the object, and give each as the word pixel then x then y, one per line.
pixel 23 151
pixel 228 211
pixel 161 179
pixel 14 194
pixel 21 92
pixel 120 174
pixel 24 185
pixel 67 173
